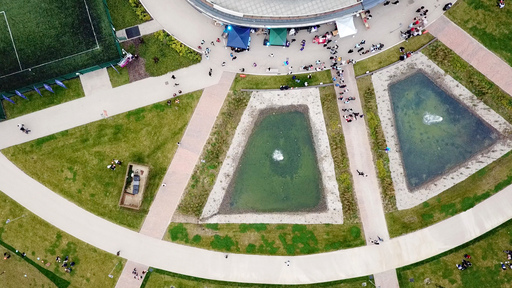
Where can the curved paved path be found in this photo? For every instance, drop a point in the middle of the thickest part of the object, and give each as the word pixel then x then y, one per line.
pixel 314 268
pixel 149 251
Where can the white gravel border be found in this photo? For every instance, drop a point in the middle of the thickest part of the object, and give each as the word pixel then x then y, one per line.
pixel 274 99
pixel 406 198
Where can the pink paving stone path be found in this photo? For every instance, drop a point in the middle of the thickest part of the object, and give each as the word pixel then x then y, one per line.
pixel 493 67
pixel 366 188
pixel 186 157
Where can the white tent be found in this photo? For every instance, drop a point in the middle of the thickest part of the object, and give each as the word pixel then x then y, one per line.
pixel 346 26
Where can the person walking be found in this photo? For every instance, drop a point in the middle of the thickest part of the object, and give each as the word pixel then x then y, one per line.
pixel 210 72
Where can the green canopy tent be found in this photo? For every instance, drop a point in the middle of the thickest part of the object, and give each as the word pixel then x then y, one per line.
pixel 278 36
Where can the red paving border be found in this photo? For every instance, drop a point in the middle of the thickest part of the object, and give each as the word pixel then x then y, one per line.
pixel 493 67
pixel 183 163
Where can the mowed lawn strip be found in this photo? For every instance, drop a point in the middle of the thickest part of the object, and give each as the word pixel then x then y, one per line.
pixel 485 22
pixel 74 163
pixel 274 82
pixel 391 55
pixel 478 186
pixel 119 77
pixel 36 102
pixel 160 278
pixel 42 243
pixel 486 254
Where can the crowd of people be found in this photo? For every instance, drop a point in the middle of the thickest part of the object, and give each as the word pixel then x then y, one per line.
pixel 465 264
pixel 136 274
pixel 417 26
pixel 507 264
pixel 68 267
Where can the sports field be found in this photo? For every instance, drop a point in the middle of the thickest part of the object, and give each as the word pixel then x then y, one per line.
pixel 44 39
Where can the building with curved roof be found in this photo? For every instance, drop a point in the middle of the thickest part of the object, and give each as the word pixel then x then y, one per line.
pixel 280 13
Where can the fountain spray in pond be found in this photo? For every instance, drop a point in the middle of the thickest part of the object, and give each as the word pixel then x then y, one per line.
pixel 431 118
pixel 277 155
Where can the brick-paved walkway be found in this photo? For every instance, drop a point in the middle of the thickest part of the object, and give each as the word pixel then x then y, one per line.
pixel 186 158
pixel 127 280
pixel 366 188
pixel 493 67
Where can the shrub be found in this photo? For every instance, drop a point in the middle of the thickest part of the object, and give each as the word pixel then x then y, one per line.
pixel 140 10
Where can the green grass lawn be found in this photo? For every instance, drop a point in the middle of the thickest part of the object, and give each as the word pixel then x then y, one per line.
pixel 459 198
pixel 267 239
pixel 71 35
pixel 274 82
pixel 118 79
pixel 391 55
pixel 122 14
pixel 159 278
pixel 36 102
pixel 169 59
pixel 480 185
pixel 14 270
pixel 74 162
pixel 43 242
pixel 485 22
pixel 378 142
pixel 486 254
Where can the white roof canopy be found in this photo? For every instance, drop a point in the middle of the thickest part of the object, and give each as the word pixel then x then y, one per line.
pixel 346 26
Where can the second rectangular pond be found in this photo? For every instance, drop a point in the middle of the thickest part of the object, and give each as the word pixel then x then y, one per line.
pixel 435 132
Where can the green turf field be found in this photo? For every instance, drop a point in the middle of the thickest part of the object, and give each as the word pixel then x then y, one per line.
pixel 45 39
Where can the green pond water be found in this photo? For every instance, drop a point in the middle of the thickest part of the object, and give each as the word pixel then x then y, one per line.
pixel 278 171
pixel 430 145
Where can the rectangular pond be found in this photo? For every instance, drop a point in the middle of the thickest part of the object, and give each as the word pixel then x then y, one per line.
pixel 435 132
pixel 278 171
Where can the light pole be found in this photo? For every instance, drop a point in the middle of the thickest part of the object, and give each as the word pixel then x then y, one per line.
pixel 9 220
pixel 110 274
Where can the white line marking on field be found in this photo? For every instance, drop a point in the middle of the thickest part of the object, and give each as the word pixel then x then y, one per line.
pixel 49 62
pixel 12 39
pixel 92 26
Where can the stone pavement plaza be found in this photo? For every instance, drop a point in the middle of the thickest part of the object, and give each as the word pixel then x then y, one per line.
pixel 154 252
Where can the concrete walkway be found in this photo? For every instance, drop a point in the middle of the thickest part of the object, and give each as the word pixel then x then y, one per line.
pixel 485 61
pixel 96 81
pixel 128 279
pixel 343 264
pixel 366 187
pixel 145 28
pixel 105 103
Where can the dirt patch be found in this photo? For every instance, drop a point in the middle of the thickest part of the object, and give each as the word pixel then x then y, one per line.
pixel 136 68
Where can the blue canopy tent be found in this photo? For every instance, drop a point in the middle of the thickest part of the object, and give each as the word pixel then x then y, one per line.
pixel 239 37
